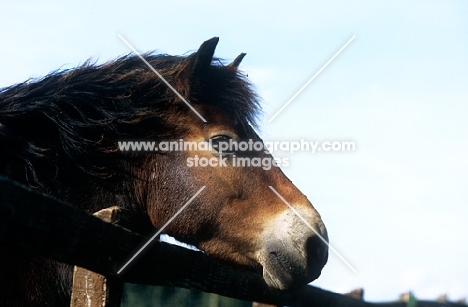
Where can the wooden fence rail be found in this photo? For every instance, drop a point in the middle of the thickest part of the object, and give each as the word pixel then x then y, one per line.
pixel 40 224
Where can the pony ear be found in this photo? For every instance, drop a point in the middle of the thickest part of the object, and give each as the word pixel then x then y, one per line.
pixel 200 61
pixel 237 60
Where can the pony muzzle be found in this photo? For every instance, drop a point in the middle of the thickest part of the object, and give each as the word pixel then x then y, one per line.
pixel 294 254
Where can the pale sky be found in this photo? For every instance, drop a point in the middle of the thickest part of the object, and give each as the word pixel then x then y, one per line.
pixel 396 208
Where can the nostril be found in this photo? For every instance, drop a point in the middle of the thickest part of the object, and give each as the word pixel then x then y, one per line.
pixel 317 252
pixel 281 260
pixel 273 256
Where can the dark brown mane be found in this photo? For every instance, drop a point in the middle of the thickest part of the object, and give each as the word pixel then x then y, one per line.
pixel 82 113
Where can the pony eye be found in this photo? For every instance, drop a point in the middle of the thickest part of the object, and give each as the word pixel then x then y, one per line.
pixel 222 144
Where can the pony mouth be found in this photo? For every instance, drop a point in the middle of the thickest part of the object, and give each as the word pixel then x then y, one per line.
pixel 283 271
pixel 280 273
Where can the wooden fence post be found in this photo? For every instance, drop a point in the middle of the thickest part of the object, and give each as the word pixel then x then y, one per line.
pixel 92 289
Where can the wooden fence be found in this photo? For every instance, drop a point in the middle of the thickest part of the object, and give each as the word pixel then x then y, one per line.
pixel 40 224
